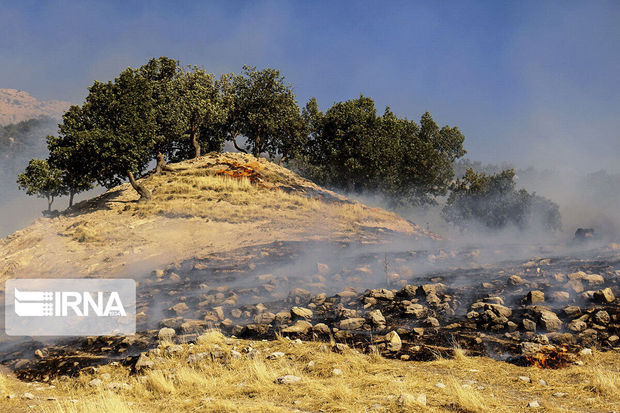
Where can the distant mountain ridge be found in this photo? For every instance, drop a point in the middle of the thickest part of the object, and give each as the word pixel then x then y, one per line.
pixel 18 105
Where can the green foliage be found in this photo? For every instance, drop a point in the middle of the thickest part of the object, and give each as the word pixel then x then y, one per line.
pixel 263 110
pixel 353 148
pixel 42 181
pixel 494 202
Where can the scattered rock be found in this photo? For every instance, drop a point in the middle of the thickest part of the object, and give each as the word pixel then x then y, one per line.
pixel 393 341
pixel 288 379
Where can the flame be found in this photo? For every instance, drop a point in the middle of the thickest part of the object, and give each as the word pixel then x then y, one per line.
pixel 550 357
pixel 250 171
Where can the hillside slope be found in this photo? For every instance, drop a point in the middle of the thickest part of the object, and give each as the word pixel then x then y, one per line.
pixel 216 203
pixel 18 105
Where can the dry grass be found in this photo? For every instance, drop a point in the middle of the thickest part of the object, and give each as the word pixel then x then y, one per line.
pixel 367 383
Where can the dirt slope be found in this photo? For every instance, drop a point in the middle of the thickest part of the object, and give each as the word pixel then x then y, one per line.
pixel 18 105
pixel 216 203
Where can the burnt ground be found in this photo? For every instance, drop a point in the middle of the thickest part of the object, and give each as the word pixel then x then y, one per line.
pixel 539 311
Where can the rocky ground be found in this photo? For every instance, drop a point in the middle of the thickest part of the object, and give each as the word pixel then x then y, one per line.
pixel 541 312
pixel 262 256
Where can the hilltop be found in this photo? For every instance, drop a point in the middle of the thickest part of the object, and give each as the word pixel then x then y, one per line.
pixel 18 105
pixel 213 204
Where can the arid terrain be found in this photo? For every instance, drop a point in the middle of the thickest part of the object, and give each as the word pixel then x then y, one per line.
pixel 19 105
pixel 261 291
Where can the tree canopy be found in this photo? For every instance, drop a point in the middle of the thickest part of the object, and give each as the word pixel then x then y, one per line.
pixel 42 181
pixel 352 148
pixel 494 202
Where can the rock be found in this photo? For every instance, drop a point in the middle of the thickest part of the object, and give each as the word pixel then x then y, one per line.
pixel 235 354
pixel 193 326
pixel 408 291
pixel 283 317
pixel 541 382
pixel 339 348
pixel 321 328
pixel 433 289
pixel 319 299
pixel 535 297
pixel 166 334
pixel 116 386
pixel 195 358
pixel 440 385
pixel 336 372
pixel 299 296
pixel 577 326
pixel 572 311
pixel 533 404
pixel 264 318
pixel 352 323
pixel 528 324
pixel 300 312
pixel 525 379
pixel 144 362
pixel 300 327
pixel 549 321
pixel 405 400
pixel 559 394
pixel 173 350
pixel 499 309
pixel 376 318
pixel 381 294
pixel 515 280
pixel 28 396
pixel 604 296
pixel 275 355
pixel 431 322
pixel 586 352
pixel 602 317
pixel 288 379
pixel 591 279
pixel 95 383
pixel 416 310
pixel 179 309
pixel 528 348
pixel 393 341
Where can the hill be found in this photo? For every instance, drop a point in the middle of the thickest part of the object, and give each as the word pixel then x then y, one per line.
pixel 213 204
pixel 18 105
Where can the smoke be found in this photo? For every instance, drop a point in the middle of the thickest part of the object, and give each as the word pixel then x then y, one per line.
pixel 18 144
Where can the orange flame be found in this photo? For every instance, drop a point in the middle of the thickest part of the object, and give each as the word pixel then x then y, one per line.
pixel 550 357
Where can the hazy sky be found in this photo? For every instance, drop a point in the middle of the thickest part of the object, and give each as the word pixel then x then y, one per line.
pixel 530 82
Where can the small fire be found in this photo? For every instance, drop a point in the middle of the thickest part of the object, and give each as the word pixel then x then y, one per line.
pixel 550 357
pixel 250 171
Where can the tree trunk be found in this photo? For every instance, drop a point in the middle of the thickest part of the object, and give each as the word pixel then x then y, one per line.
pixel 257 148
pixel 161 163
pixel 50 201
pixel 145 194
pixel 71 193
pixel 195 143
pixel 234 140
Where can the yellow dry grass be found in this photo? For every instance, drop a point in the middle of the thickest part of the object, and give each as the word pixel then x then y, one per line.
pixel 365 383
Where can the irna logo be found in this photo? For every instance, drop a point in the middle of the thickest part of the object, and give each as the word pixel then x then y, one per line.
pixel 70 307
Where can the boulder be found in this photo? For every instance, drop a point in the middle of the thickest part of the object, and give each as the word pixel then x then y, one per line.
pixel 376 318
pixel 393 341
pixel 535 297
pixel 604 296
pixel 300 327
pixel 352 323
pixel 549 321
pixel 301 312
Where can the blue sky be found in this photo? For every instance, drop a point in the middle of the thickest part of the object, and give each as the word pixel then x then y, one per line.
pixel 529 82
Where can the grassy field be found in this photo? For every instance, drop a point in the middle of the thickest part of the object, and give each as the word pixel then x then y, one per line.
pixel 246 380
